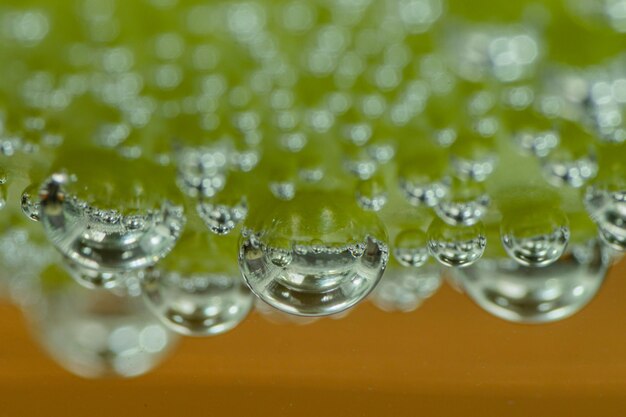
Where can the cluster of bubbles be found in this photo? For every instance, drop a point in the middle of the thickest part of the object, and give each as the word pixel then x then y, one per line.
pixel 184 163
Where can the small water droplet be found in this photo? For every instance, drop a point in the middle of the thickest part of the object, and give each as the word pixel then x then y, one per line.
pixel 30 203
pixel 425 191
pixel 466 204
pixel 411 248
pixel 220 218
pixel 607 208
pixel 456 246
pixel 535 237
pixel 405 289
pixel 371 194
pixel 283 190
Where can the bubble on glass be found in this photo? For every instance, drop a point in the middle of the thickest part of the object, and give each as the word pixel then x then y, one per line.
pixel 123 282
pixel 535 238
pixel 371 195
pixel 405 289
pixel 221 219
pixel 537 143
pixel 561 167
pixel 95 334
pixel 523 294
pixel 283 190
pixel 607 208
pixel 410 248
pixel 312 279
pixel 465 205
pixel 105 240
pixel 425 191
pixel 505 53
pixel 458 246
pixel 200 304
pixel 202 171
pixel 313 256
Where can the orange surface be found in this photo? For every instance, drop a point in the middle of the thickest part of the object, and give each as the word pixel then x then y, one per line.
pixel 446 359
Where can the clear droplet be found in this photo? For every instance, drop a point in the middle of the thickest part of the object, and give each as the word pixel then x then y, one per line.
pixel 535 237
pixel 95 334
pixel 124 282
pixel 523 294
pixel 574 161
pixel 202 304
pixel 411 248
pixel 288 265
pixel 456 246
pixel 221 218
pixel 466 204
pixel 405 289
pixel 371 194
pixel 283 190
pixel 425 192
pixel 30 203
pixel 202 171
pixel 608 210
pixel 100 239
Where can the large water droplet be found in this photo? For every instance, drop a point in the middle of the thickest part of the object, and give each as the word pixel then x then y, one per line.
pixel 105 240
pixel 313 256
pixel 518 293
pixel 535 237
pixel 97 334
pixel 411 248
pixel 202 304
pixel 456 246
pixel 405 289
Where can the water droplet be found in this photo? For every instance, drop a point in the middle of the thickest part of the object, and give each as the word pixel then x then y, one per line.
pixel 118 282
pixel 607 208
pixel 96 334
pixel 405 289
pixel 535 237
pixel 30 203
pixel 99 239
pixel 456 246
pixel 574 162
pixel 425 191
pixel 466 204
pixel 371 194
pixel 201 304
pixel 289 267
pixel 221 218
pixel 519 293
pixel 283 190
pixel 411 248
pixel 202 171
